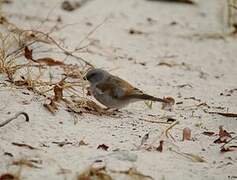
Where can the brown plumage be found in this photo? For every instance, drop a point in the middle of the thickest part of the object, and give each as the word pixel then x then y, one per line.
pixel 114 92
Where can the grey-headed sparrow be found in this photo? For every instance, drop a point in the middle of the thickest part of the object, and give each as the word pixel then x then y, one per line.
pixel 114 92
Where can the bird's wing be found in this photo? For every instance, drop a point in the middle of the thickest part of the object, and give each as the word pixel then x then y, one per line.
pixel 120 89
pixel 117 88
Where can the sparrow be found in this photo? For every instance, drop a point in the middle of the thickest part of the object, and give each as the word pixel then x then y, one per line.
pixel 114 92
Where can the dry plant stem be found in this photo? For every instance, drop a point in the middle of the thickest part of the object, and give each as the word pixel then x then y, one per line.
pixel 226 114
pixel 19 49
pixel 190 156
pixel 91 32
pixel 154 121
pixel 166 132
pixel 179 153
pixel 16 116
pixel 60 47
pixel 65 51
pixel 170 127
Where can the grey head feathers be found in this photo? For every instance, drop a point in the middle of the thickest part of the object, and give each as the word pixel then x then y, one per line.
pixel 96 75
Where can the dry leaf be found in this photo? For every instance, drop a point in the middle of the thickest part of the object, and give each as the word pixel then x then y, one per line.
pixel 103 147
pixel 28 53
pixel 49 61
pixel 58 93
pixel 186 134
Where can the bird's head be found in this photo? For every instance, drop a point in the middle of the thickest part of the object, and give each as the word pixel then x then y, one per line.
pixel 96 76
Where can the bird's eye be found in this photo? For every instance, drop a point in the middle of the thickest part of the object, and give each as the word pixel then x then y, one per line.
pixel 90 76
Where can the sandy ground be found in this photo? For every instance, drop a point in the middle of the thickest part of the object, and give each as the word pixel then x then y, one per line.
pixel 179 34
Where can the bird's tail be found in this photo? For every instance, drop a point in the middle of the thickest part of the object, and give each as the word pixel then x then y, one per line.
pixel 148 97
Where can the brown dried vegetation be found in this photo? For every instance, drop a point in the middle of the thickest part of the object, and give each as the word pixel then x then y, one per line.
pixel 56 81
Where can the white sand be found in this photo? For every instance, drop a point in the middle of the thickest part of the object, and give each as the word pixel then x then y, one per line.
pixel 117 50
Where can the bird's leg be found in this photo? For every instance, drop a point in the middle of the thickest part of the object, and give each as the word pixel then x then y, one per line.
pixel 112 110
pixel 116 110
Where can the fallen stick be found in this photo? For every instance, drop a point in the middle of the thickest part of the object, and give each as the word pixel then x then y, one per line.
pixel 223 113
pixel 154 121
pixel 12 118
pixel 23 145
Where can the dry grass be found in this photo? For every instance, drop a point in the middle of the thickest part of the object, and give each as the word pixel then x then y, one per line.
pixel 103 173
pixel 57 82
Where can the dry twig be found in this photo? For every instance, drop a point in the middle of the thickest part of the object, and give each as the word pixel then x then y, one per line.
pixel 170 127
pixel 15 117
pixel 24 145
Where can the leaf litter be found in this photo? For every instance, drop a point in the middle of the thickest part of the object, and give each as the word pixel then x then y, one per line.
pixel 19 64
